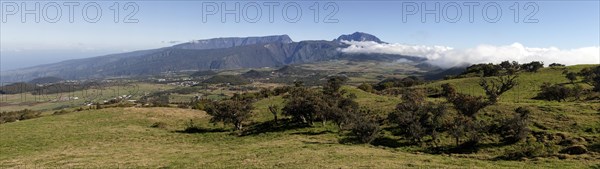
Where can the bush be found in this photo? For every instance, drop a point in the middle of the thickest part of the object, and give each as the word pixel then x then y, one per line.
pixel 532 66
pixel 199 103
pixel 60 112
pixel 396 82
pixel 12 116
pixel 592 77
pixel 366 87
pixel 516 128
pixel 230 112
pixel 530 150
pixel 556 65
pixel 365 131
pixel 554 92
pixel 572 76
pixel 417 118
pixel 575 150
pixel 364 128
pixel 468 105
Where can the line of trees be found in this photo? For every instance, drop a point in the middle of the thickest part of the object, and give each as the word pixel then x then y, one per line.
pixel 416 119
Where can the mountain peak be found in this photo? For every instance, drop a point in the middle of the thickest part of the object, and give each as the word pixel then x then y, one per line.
pixel 359 36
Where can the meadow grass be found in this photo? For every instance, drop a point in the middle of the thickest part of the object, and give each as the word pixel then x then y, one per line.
pixel 122 137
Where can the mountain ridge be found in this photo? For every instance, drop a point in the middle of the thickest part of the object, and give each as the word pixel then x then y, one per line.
pixel 208 54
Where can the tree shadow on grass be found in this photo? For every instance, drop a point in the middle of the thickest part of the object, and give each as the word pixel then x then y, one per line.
pixel 312 133
pixel 197 129
pixel 271 126
pixel 389 142
pixel 316 142
pixel 595 147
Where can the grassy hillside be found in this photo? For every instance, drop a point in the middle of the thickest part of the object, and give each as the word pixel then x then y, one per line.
pixel 557 116
pixel 528 87
pixel 122 137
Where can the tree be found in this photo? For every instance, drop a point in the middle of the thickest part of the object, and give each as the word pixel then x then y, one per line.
pixel 303 104
pixel 333 85
pixel 396 82
pixel 338 107
pixel 592 77
pixel 465 104
pixel 572 76
pixel 417 118
pixel 494 87
pixel 532 66
pixel 486 69
pixel 510 67
pixel 468 105
pixel 556 65
pixel 234 112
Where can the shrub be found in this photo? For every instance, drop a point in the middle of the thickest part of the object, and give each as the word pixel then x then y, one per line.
pixel 366 87
pixel 572 76
pixel 556 65
pixel 396 82
pixel 532 66
pixel 364 128
pixel 448 90
pixel 575 150
pixel 592 77
pixel 553 92
pixel 230 112
pixel 468 105
pixel 60 112
pixel 516 128
pixel 417 118
pixel 530 150
pixel 12 116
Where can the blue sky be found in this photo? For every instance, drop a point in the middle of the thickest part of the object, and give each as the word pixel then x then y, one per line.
pixel 565 25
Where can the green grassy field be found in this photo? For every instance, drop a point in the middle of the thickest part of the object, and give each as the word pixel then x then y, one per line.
pixel 125 138
pixel 122 137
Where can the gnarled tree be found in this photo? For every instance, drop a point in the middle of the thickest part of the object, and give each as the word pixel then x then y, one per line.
pixel 230 112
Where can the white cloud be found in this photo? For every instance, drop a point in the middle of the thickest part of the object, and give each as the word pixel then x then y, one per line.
pixel 447 57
